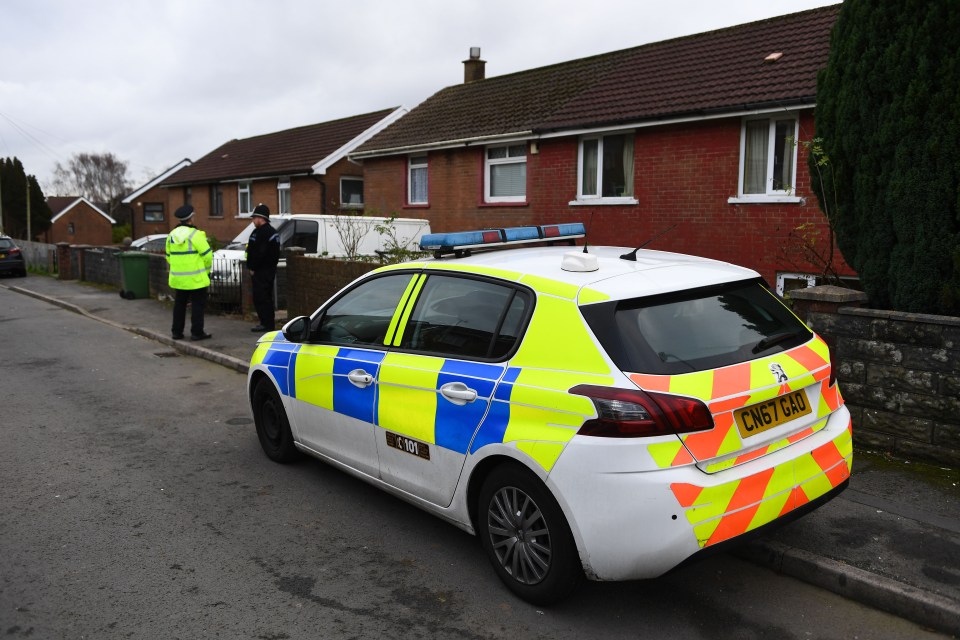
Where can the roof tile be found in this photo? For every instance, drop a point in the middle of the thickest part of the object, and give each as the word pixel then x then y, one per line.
pixel 711 72
pixel 292 151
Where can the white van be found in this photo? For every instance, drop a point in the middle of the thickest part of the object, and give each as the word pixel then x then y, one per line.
pixel 322 235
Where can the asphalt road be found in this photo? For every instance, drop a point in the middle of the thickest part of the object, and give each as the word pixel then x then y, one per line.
pixel 136 503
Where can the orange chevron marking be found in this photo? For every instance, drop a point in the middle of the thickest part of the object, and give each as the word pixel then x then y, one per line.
pixel 706 444
pixel 686 494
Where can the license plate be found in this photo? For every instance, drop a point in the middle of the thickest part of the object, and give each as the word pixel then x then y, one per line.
pixel 762 416
pixel 2 256
pixel 408 445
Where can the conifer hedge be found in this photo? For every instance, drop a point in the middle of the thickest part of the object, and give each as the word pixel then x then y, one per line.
pixel 888 150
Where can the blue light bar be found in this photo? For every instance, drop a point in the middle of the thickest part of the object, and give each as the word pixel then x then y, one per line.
pixel 461 243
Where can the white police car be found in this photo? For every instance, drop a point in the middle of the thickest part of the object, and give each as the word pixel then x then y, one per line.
pixel 600 413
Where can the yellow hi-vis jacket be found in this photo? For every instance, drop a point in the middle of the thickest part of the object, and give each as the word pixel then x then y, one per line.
pixel 190 258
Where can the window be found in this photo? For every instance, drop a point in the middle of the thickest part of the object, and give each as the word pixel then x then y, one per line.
pixel 283 196
pixel 606 167
pixel 71 229
pixel 466 318
pixel 417 180
pixel 153 212
pixel 187 195
pixel 243 198
pixel 768 154
pixel 216 201
pixel 351 193
pixel 363 314
pixel 695 330
pixel 505 174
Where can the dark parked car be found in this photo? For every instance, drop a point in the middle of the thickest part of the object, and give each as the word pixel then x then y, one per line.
pixel 11 258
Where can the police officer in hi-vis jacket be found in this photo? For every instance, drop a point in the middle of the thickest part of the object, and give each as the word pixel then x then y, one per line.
pixel 190 258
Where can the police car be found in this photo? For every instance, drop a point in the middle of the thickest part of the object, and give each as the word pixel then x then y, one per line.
pixel 594 412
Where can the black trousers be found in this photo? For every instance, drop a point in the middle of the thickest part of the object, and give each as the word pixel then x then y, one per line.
pixel 262 285
pixel 198 302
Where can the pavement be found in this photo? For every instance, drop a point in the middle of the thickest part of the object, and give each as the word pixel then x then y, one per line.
pixel 890 541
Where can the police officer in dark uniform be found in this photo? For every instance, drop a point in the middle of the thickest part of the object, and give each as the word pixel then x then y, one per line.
pixel 263 253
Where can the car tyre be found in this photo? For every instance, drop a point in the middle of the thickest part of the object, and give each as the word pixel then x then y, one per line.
pixel 526 536
pixel 273 427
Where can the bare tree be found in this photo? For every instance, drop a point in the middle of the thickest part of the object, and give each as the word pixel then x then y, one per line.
pixel 99 177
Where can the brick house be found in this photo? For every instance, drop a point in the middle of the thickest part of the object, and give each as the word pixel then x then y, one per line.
pixel 699 132
pixel 300 170
pixel 76 220
pixel 147 205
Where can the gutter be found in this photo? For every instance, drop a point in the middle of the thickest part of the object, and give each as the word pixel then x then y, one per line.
pixel 448 144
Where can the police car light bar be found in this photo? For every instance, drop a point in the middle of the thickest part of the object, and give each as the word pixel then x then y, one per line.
pixel 460 243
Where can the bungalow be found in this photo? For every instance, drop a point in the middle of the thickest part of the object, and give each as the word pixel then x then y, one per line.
pixel 703 139
pixel 76 220
pixel 147 205
pixel 300 170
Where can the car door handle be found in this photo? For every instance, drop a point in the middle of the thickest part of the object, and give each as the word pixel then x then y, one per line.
pixel 458 393
pixel 360 378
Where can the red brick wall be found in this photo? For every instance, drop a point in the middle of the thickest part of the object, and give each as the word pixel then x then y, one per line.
pixel 307 195
pixel 89 227
pixel 143 228
pixel 683 175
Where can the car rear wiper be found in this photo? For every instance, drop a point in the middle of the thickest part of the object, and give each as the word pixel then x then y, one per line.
pixel 776 338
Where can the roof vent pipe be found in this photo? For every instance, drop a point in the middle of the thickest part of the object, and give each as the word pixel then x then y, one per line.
pixel 474 67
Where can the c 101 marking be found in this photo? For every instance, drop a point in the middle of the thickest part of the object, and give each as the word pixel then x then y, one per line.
pixel 408 445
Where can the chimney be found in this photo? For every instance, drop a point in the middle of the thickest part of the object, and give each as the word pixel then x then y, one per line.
pixel 473 69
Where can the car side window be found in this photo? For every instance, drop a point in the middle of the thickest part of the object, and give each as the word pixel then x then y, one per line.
pixel 466 317
pixel 362 315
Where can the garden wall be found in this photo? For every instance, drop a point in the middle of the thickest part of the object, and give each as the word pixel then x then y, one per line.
pixel 899 374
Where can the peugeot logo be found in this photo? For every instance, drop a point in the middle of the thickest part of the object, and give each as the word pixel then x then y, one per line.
pixel 778 373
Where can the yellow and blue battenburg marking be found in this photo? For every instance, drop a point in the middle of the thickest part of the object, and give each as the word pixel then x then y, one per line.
pixel 454 425
pixel 279 358
pixel 494 426
pixel 350 400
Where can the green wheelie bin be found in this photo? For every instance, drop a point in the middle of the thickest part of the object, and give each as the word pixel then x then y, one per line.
pixel 134 275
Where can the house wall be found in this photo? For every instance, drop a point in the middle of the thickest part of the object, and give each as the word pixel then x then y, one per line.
pixel 140 226
pixel 307 195
pixel 683 176
pixel 89 227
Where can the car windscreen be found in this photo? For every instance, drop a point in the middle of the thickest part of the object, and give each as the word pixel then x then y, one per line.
pixel 695 330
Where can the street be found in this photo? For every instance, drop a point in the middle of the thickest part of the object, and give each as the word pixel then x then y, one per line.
pixel 137 503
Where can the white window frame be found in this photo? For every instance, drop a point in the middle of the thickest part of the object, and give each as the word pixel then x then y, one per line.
pixel 771 195
pixel 351 205
pixel 413 162
pixel 596 198
pixel 489 163
pixel 244 195
pixel 284 202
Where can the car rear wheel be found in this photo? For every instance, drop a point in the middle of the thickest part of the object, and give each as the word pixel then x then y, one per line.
pixel 526 536
pixel 273 428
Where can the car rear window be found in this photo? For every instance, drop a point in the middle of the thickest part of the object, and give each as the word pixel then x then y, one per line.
pixel 695 330
pixel 6 243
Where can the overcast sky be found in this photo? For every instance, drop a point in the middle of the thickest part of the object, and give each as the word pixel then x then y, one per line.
pixel 156 81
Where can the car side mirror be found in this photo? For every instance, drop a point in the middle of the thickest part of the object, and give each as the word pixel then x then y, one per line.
pixel 297 330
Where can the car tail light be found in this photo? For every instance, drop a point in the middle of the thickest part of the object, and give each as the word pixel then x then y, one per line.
pixel 632 413
pixel 13 252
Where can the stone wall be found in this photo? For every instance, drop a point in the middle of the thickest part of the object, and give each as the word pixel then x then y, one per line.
pixel 102 266
pixel 899 374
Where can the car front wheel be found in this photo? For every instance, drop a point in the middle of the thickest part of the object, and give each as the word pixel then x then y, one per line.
pixel 273 428
pixel 526 536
